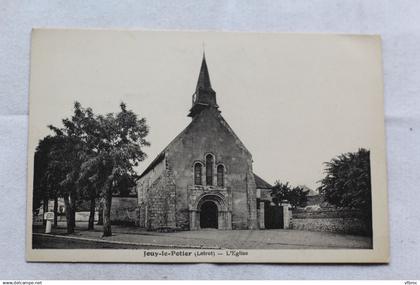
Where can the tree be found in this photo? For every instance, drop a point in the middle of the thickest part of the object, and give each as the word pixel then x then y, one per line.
pixel 296 196
pixel 64 166
pixel 88 129
pixel 117 149
pixel 347 183
pixel 54 174
pixel 92 157
pixel 68 155
pixel 46 183
pixel 40 195
pixel 89 193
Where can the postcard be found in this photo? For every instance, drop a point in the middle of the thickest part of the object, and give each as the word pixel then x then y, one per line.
pixel 221 147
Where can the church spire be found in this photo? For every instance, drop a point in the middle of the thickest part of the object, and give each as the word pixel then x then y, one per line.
pixel 204 95
pixel 204 77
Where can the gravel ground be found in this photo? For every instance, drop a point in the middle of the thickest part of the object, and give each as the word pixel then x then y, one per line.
pixel 132 237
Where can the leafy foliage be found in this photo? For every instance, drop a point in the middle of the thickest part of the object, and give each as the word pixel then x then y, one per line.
pixel 91 156
pixel 46 178
pixel 348 182
pixel 117 150
pixel 296 196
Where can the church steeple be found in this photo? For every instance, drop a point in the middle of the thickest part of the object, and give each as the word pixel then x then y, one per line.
pixel 203 77
pixel 204 96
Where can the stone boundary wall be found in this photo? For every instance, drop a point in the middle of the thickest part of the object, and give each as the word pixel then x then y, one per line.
pixel 82 216
pixel 330 220
pixel 124 211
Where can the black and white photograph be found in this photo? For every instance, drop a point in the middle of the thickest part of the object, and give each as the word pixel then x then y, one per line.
pixel 158 146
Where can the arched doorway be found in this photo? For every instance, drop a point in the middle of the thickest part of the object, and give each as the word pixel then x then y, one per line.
pixel 211 210
pixel 209 215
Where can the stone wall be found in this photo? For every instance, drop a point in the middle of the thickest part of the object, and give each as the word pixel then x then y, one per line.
pixel 331 220
pixel 82 216
pixel 144 183
pixel 159 208
pixel 124 211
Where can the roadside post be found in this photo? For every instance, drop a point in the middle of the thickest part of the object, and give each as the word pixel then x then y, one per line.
pixel 287 214
pixel 49 216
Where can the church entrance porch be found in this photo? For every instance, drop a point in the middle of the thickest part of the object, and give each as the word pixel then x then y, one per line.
pixel 209 215
pixel 209 210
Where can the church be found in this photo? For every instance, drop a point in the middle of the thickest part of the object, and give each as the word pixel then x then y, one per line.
pixel 204 177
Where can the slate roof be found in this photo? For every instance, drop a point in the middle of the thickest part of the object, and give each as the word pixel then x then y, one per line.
pixel 261 183
pixel 204 77
pixel 152 165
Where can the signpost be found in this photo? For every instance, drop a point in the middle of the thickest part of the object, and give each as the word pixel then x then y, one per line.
pixel 49 216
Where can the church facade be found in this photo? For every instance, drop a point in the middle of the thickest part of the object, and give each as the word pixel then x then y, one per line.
pixel 204 177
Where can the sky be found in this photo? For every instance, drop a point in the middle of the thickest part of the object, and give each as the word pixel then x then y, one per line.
pixel 294 100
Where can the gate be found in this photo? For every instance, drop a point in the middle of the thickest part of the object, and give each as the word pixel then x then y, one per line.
pixel 273 216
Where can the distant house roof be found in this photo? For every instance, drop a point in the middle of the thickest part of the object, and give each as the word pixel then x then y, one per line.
pixel 261 183
pixel 311 191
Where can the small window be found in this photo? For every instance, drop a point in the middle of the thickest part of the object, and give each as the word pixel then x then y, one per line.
pixel 220 176
pixel 209 169
pixel 197 173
